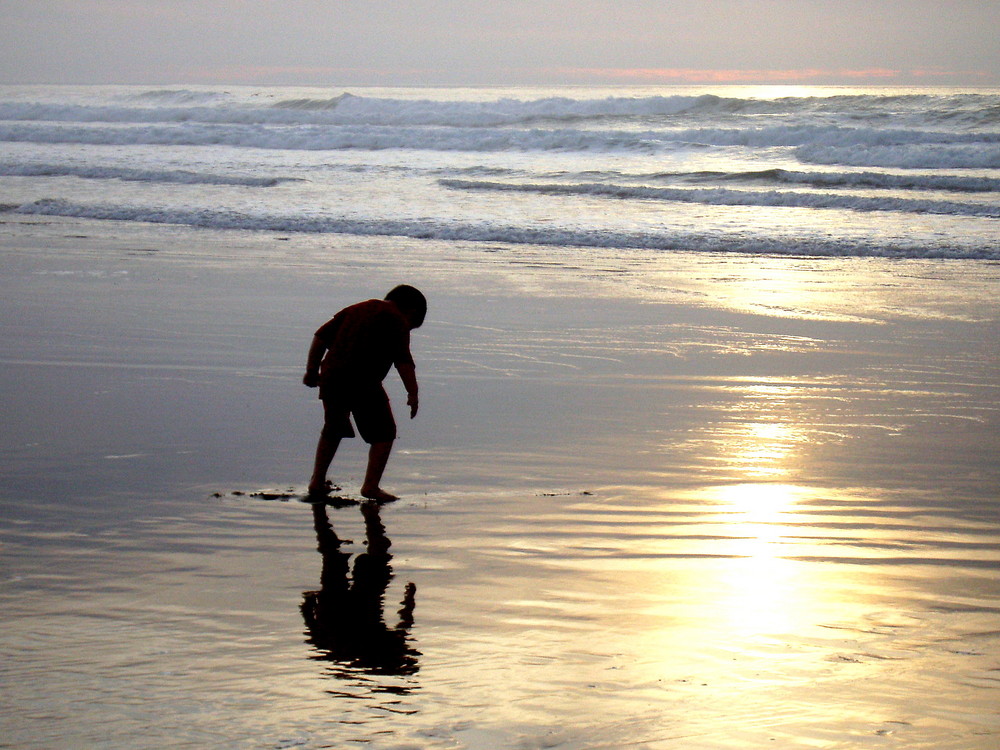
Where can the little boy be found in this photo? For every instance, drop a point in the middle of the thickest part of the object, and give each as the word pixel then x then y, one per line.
pixel 361 343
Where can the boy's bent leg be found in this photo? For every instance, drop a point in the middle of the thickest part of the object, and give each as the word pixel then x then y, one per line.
pixel 336 425
pixel 378 457
pixel 326 449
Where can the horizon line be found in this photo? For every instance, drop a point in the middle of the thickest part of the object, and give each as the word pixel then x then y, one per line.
pixel 285 75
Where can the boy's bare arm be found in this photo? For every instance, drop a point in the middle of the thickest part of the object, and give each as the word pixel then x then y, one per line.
pixel 316 352
pixel 408 374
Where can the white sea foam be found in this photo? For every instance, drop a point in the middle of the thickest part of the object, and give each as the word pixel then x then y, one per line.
pixel 315 138
pixel 871 180
pixel 724 197
pixel 934 155
pixel 184 105
pixel 175 97
pixel 346 109
pixel 879 180
pixel 823 145
pixel 134 175
pixel 904 131
pixel 667 239
pixel 485 166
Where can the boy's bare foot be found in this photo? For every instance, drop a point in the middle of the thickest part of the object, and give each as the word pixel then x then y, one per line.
pixel 320 490
pixel 378 495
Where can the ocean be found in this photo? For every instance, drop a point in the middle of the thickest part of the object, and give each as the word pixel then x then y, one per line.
pixel 912 173
pixel 706 455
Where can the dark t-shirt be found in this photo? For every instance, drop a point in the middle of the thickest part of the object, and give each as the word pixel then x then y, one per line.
pixel 363 341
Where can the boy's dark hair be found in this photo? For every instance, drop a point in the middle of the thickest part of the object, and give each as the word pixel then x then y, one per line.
pixel 411 300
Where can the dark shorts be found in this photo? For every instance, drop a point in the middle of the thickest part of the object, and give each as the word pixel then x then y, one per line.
pixel 369 407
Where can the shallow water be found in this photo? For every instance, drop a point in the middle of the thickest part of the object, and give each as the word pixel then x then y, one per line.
pixel 728 616
pixel 730 505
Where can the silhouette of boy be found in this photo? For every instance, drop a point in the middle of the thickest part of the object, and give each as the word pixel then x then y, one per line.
pixel 361 343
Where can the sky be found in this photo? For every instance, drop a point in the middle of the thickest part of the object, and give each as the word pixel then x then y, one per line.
pixel 501 42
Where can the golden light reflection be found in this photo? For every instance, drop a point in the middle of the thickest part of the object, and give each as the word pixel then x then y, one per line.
pixel 778 287
pixel 764 450
pixel 762 588
pixel 755 514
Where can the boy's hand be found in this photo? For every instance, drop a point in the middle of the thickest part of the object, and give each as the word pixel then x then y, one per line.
pixel 413 402
pixel 311 379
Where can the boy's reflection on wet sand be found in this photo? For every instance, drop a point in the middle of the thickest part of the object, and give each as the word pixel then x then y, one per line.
pixel 344 617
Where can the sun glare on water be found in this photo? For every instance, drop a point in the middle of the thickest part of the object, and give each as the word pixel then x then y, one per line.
pixel 762 591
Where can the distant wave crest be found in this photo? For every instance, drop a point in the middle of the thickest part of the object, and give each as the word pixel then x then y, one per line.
pixel 192 105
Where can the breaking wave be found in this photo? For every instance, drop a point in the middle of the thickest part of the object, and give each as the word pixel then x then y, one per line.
pixel 812 144
pixel 185 105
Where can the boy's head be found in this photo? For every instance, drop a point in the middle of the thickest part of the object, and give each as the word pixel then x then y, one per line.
pixel 411 303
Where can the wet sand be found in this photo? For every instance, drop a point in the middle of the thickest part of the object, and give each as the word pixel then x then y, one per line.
pixel 657 502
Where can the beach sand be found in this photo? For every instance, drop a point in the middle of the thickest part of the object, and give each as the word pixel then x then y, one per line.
pixel 656 501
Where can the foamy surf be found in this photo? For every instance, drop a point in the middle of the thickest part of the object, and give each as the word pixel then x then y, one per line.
pixel 865 172
pixel 485 232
